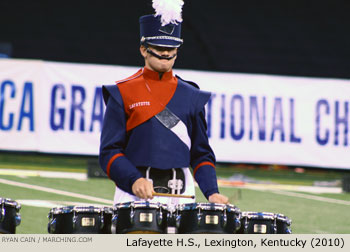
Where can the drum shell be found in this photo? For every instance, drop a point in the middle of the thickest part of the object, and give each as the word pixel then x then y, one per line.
pixel 132 220
pixel 9 216
pixel 248 226
pixel 283 225
pixel 196 220
pixel 80 223
pixel 264 223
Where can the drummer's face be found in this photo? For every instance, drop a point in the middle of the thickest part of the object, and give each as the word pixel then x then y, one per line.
pixel 159 65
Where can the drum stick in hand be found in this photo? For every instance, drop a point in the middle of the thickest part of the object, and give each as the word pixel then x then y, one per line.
pixel 173 195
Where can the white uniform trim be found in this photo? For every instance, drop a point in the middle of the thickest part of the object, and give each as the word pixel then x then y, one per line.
pixel 162 37
pixel 129 78
pixel 173 123
pixel 180 130
pixel 121 196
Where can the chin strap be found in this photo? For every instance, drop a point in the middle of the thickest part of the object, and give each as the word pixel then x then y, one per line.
pixel 160 56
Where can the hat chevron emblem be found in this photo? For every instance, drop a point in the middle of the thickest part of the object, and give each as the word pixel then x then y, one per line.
pixel 167 29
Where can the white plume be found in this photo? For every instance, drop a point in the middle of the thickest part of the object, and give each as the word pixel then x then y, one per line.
pixel 169 10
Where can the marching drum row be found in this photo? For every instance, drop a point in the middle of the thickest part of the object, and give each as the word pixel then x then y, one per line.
pixel 145 217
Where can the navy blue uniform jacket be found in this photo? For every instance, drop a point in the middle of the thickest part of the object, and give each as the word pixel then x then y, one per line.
pixel 129 140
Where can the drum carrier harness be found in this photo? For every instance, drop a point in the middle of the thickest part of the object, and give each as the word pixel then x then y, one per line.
pixel 165 181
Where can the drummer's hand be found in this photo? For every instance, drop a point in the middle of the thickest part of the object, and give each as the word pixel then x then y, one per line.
pixel 218 198
pixel 143 188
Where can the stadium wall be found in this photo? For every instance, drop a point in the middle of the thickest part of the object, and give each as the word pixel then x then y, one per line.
pixel 289 37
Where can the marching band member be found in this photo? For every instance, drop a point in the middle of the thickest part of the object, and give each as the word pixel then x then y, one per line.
pixel 154 126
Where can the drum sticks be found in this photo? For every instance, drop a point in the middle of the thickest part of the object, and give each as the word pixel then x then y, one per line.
pixel 173 195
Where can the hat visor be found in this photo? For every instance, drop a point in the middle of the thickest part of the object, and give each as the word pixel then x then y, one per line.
pixel 164 43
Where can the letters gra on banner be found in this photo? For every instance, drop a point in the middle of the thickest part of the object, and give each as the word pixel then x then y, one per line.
pixel 73 110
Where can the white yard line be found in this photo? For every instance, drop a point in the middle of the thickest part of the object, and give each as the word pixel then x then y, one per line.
pixel 280 187
pixel 60 192
pixel 45 174
pixel 53 204
pixel 286 190
pixel 295 194
pixel 312 197
pixel 296 188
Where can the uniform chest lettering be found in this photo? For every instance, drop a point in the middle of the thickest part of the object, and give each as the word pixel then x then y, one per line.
pixel 139 104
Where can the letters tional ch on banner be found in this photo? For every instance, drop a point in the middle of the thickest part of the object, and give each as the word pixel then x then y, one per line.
pixel 58 108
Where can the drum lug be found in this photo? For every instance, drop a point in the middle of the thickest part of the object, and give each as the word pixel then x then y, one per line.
pixel 224 219
pixel 238 224
pixel 132 215
pixel 159 217
pixel 101 220
pixel 275 224
pixel 177 220
pixel 199 216
pixel 51 228
pixel 246 225
pixel 114 223
pixel 18 219
pixel 75 219
pixel 3 212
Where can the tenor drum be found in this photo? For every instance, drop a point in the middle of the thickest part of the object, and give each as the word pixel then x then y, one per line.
pixel 10 217
pixel 80 220
pixel 264 223
pixel 140 217
pixel 283 224
pixel 200 218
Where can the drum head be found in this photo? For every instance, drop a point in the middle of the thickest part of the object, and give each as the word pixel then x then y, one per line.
pixel 10 203
pixel 201 206
pixel 61 210
pixel 259 215
pixel 140 204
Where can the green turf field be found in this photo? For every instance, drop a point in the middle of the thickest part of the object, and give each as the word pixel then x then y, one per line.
pixel 308 215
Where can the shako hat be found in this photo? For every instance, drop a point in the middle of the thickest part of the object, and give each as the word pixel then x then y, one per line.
pixel 164 27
